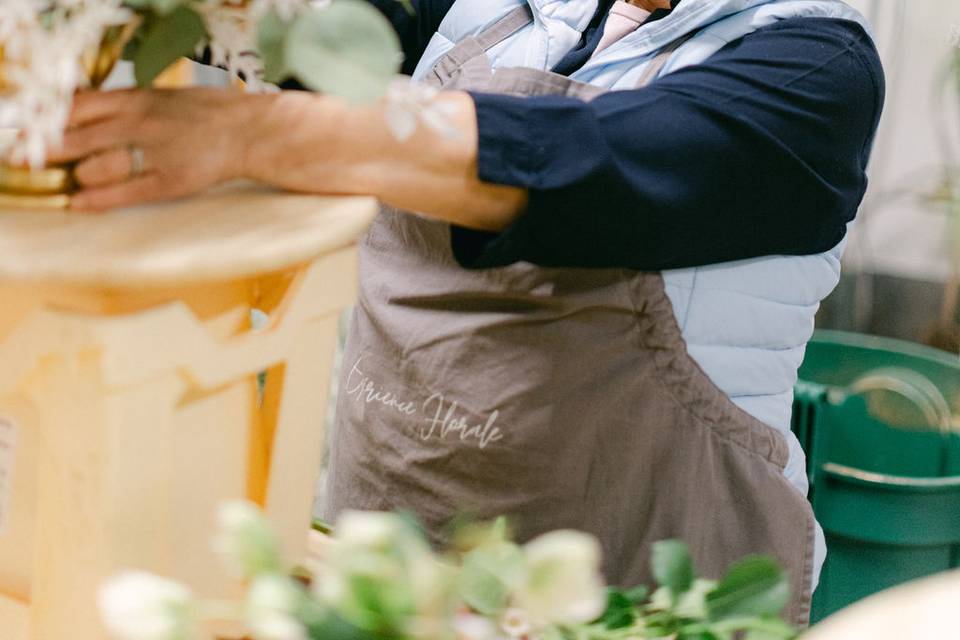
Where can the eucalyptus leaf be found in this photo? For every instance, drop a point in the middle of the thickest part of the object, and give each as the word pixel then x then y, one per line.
pixel 755 586
pixel 347 48
pixel 672 565
pixel 166 39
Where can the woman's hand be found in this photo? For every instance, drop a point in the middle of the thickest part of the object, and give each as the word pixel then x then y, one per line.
pixel 190 139
pixel 187 140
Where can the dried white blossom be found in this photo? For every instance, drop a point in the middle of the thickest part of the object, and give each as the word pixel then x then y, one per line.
pixel 43 43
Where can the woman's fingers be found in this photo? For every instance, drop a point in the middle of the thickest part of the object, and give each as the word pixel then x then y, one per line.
pixel 147 188
pixel 108 167
pixel 85 141
pixel 90 106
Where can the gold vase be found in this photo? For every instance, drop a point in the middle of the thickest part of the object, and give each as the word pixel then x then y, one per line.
pixel 49 188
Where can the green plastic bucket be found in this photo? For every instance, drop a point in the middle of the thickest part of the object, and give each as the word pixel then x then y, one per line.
pixel 876 418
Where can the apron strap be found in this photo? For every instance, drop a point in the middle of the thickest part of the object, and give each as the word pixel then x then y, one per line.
pixel 466 64
pixel 659 62
pixel 505 27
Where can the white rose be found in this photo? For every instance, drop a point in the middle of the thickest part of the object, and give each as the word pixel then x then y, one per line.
pixel 370 529
pixel 563 583
pixel 272 604
pixel 140 606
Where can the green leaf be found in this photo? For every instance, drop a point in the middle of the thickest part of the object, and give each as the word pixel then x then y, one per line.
pixel 699 635
pixel 271 43
pixel 755 586
pixel 672 566
pixel 377 605
pixel 487 576
pixel 165 40
pixel 347 48
pixel 324 625
pixel 637 595
pixel 621 612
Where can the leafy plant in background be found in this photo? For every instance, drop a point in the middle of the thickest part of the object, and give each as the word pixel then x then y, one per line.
pixel 50 48
pixel 377 578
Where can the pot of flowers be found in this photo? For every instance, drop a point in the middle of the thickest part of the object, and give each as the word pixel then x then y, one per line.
pixel 51 48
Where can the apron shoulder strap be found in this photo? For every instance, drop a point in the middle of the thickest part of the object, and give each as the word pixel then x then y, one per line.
pixel 660 60
pixel 505 27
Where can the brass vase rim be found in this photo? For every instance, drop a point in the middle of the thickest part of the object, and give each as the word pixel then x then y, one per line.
pixel 44 181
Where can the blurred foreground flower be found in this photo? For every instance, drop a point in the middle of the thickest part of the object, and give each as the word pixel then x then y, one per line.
pixel 377 578
pixel 140 606
pixel 246 541
pixel 563 583
pixel 273 604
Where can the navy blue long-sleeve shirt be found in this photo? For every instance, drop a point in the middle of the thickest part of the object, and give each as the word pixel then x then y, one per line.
pixel 760 150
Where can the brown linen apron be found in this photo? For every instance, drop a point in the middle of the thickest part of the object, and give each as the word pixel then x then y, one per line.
pixel 563 398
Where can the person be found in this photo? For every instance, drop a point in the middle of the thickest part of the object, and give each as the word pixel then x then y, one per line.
pixel 595 318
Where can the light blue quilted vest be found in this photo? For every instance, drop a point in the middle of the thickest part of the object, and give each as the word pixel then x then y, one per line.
pixel 745 323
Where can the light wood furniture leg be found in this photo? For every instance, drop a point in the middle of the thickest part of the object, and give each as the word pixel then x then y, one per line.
pixel 138 413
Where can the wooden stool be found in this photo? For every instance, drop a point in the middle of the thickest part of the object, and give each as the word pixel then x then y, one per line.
pixel 129 402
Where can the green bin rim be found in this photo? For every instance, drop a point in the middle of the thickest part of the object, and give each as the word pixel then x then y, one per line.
pixel 889 482
pixel 905 347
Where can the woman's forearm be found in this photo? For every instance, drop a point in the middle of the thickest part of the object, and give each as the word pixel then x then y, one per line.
pixel 311 143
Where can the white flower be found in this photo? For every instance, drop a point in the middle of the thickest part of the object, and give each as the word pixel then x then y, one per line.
pixel 516 623
pixel 272 604
pixel 384 553
pixel 139 606
pixel 371 529
pixel 563 583
pixel 232 31
pixel 245 539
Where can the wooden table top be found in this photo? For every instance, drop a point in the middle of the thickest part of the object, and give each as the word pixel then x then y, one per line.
pixel 233 231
